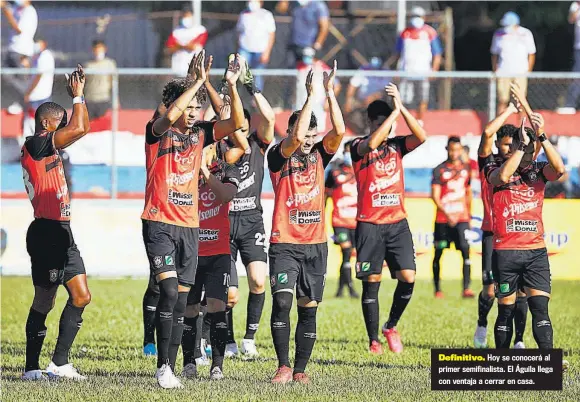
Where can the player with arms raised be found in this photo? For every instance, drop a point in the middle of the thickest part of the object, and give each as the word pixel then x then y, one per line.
pixel 53 253
pixel 298 249
pixel 382 232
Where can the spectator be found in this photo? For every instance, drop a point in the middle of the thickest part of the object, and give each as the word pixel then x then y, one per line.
pixel 23 22
pixel 513 52
pixel 40 87
pixel 362 90
pixel 574 90
pixel 257 32
pixel 98 90
pixel 184 42
pixel 419 51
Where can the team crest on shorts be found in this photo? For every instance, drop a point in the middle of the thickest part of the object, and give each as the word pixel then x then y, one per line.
pixel 157 261
pixel 53 275
pixel 283 278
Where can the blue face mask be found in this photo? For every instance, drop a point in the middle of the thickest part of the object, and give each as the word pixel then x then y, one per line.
pixel 376 62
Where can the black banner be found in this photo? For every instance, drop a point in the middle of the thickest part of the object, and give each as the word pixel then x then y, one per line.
pixel 493 369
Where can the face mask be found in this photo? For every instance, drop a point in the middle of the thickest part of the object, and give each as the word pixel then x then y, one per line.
pixel 376 62
pixel 417 22
pixel 347 158
pixel 303 2
pixel 19 3
pixel 100 56
pixel 37 48
pixel 187 22
pixel 253 5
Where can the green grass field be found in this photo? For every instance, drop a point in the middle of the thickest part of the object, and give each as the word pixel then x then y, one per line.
pixel 108 350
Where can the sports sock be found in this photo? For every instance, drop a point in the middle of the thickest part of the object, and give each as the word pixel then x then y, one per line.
pixel 401 299
pixel 150 300
pixel 280 326
pixel 520 318
pixel 199 327
pixel 504 325
pixel 219 337
pixel 346 253
pixel 206 326
pixel 177 328
pixel 370 307
pixel 466 268
pixel 168 295
pixel 188 340
pixel 35 334
pixel 68 328
pixel 484 305
pixel 230 321
pixel 437 268
pixel 254 313
pixel 305 337
pixel 541 324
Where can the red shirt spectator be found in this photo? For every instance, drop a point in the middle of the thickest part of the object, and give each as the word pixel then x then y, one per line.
pixel 185 41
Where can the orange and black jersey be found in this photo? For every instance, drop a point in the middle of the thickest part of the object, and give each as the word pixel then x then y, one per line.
pixel 173 161
pixel 299 195
pixel 455 181
pixel 44 178
pixel 341 184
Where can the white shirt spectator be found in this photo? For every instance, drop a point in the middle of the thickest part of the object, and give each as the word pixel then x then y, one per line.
pixel 254 28
pixel 45 64
pixel 513 45
pixel 183 36
pixel 417 47
pixel 574 7
pixel 27 20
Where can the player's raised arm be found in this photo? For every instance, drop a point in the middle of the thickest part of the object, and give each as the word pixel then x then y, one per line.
pixel 333 138
pixel 223 128
pixel 239 139
pixel 502 175
pixel 485 145
pixel 78 125
pixel 224 192
pixel 522 103
pixel 265 130
pixel 555 168
pixel 176 109
pixel 373 141
pixel 215 99
pixel 418 133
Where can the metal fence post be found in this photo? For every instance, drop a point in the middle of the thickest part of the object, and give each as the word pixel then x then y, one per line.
pixel 492 106
pixel 114 129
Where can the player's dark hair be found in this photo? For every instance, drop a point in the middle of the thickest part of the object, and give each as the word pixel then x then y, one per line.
pixel 378 108
pixel 294 117
pixel 507 130
pixel 98 42
pixel 466 148
pixel 453 140
pixel 48 110
pixel 177 86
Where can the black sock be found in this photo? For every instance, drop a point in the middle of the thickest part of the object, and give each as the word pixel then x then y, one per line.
pixel 164 318
pixel 219 337
pixel 198 330
pixel 230 321
pixel 541 324
pixel 401 299
pixel 370 307
pixel 520 318
pixel 177 329
pixel 188 340
pixel 437 268
pixel 254 313
pixel 305 337
pixel 504 325
pixel 206 327
pixel 280 326
pixel 35 334
pixel 346 253
pixel 68 328
pixel 466 269
pixel 150 300
pixel 484 305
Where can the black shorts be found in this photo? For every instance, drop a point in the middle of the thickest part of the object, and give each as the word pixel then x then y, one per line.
pixel 444 235
pixel 212 277
pixel 300 265
pixel 516 269
pixel 247 235
pixel 486 258
pixel 234 281
pixel 342 235
pixel 53 253
pixel 391 242
pixel 171 248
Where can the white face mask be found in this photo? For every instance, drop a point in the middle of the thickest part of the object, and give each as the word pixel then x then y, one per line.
pixel 187 22
pixel 417 22
pixel 303 2
pixel 254 5
pixel 37 48
pixel 19 3
pixel 100 56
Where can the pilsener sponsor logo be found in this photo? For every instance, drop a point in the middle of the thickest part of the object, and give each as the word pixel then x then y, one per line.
pixel 247 182
pixel 210 213
pixel 177 179
pixel 305 217
pixel 383 184
pixel 516 209
pixel 302 198
pixel 181 199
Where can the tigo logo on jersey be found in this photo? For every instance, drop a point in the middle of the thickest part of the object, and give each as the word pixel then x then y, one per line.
pixel 305 217
pixel 169 260
pixel 283 278
pixel 521 226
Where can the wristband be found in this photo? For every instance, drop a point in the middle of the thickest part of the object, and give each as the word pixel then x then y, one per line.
pixel 78 99
pixel 522 147
pixel 252 90
pixel 542 137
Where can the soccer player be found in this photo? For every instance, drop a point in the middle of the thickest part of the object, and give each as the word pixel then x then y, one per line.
pixel 451 193
pixel 218 185
pixel 382 232
pixel 54 256
pixel 519 256
pixel 341 188
pixel 298 249
pixel 173 147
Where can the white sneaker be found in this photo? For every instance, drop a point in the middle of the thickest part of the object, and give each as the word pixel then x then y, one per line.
pixel 249 348
pixel 231 350
pixel 64 371
pixel 202 361
pixel 216 374
pixel 33 375
pixel 166 379
pixel 519 345
pixel 480 337
pixel 189 371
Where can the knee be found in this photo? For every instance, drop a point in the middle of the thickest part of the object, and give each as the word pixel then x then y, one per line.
pixel 282 301
pixel 538 305
pixel 169 291
pixel 370 293
pixel 82 299
pixel 257 277
pixel 306 302
pixel 506 312
pixel 43 304
pixel 192 310
pixel 215 305
pixel 489 293
pixel 233 297
pixel 406 275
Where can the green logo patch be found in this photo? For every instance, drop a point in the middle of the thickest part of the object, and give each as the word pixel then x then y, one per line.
pixel 365 266
pixel 504 287
pixel 283 278
pixel 342 237
pixel 169 260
